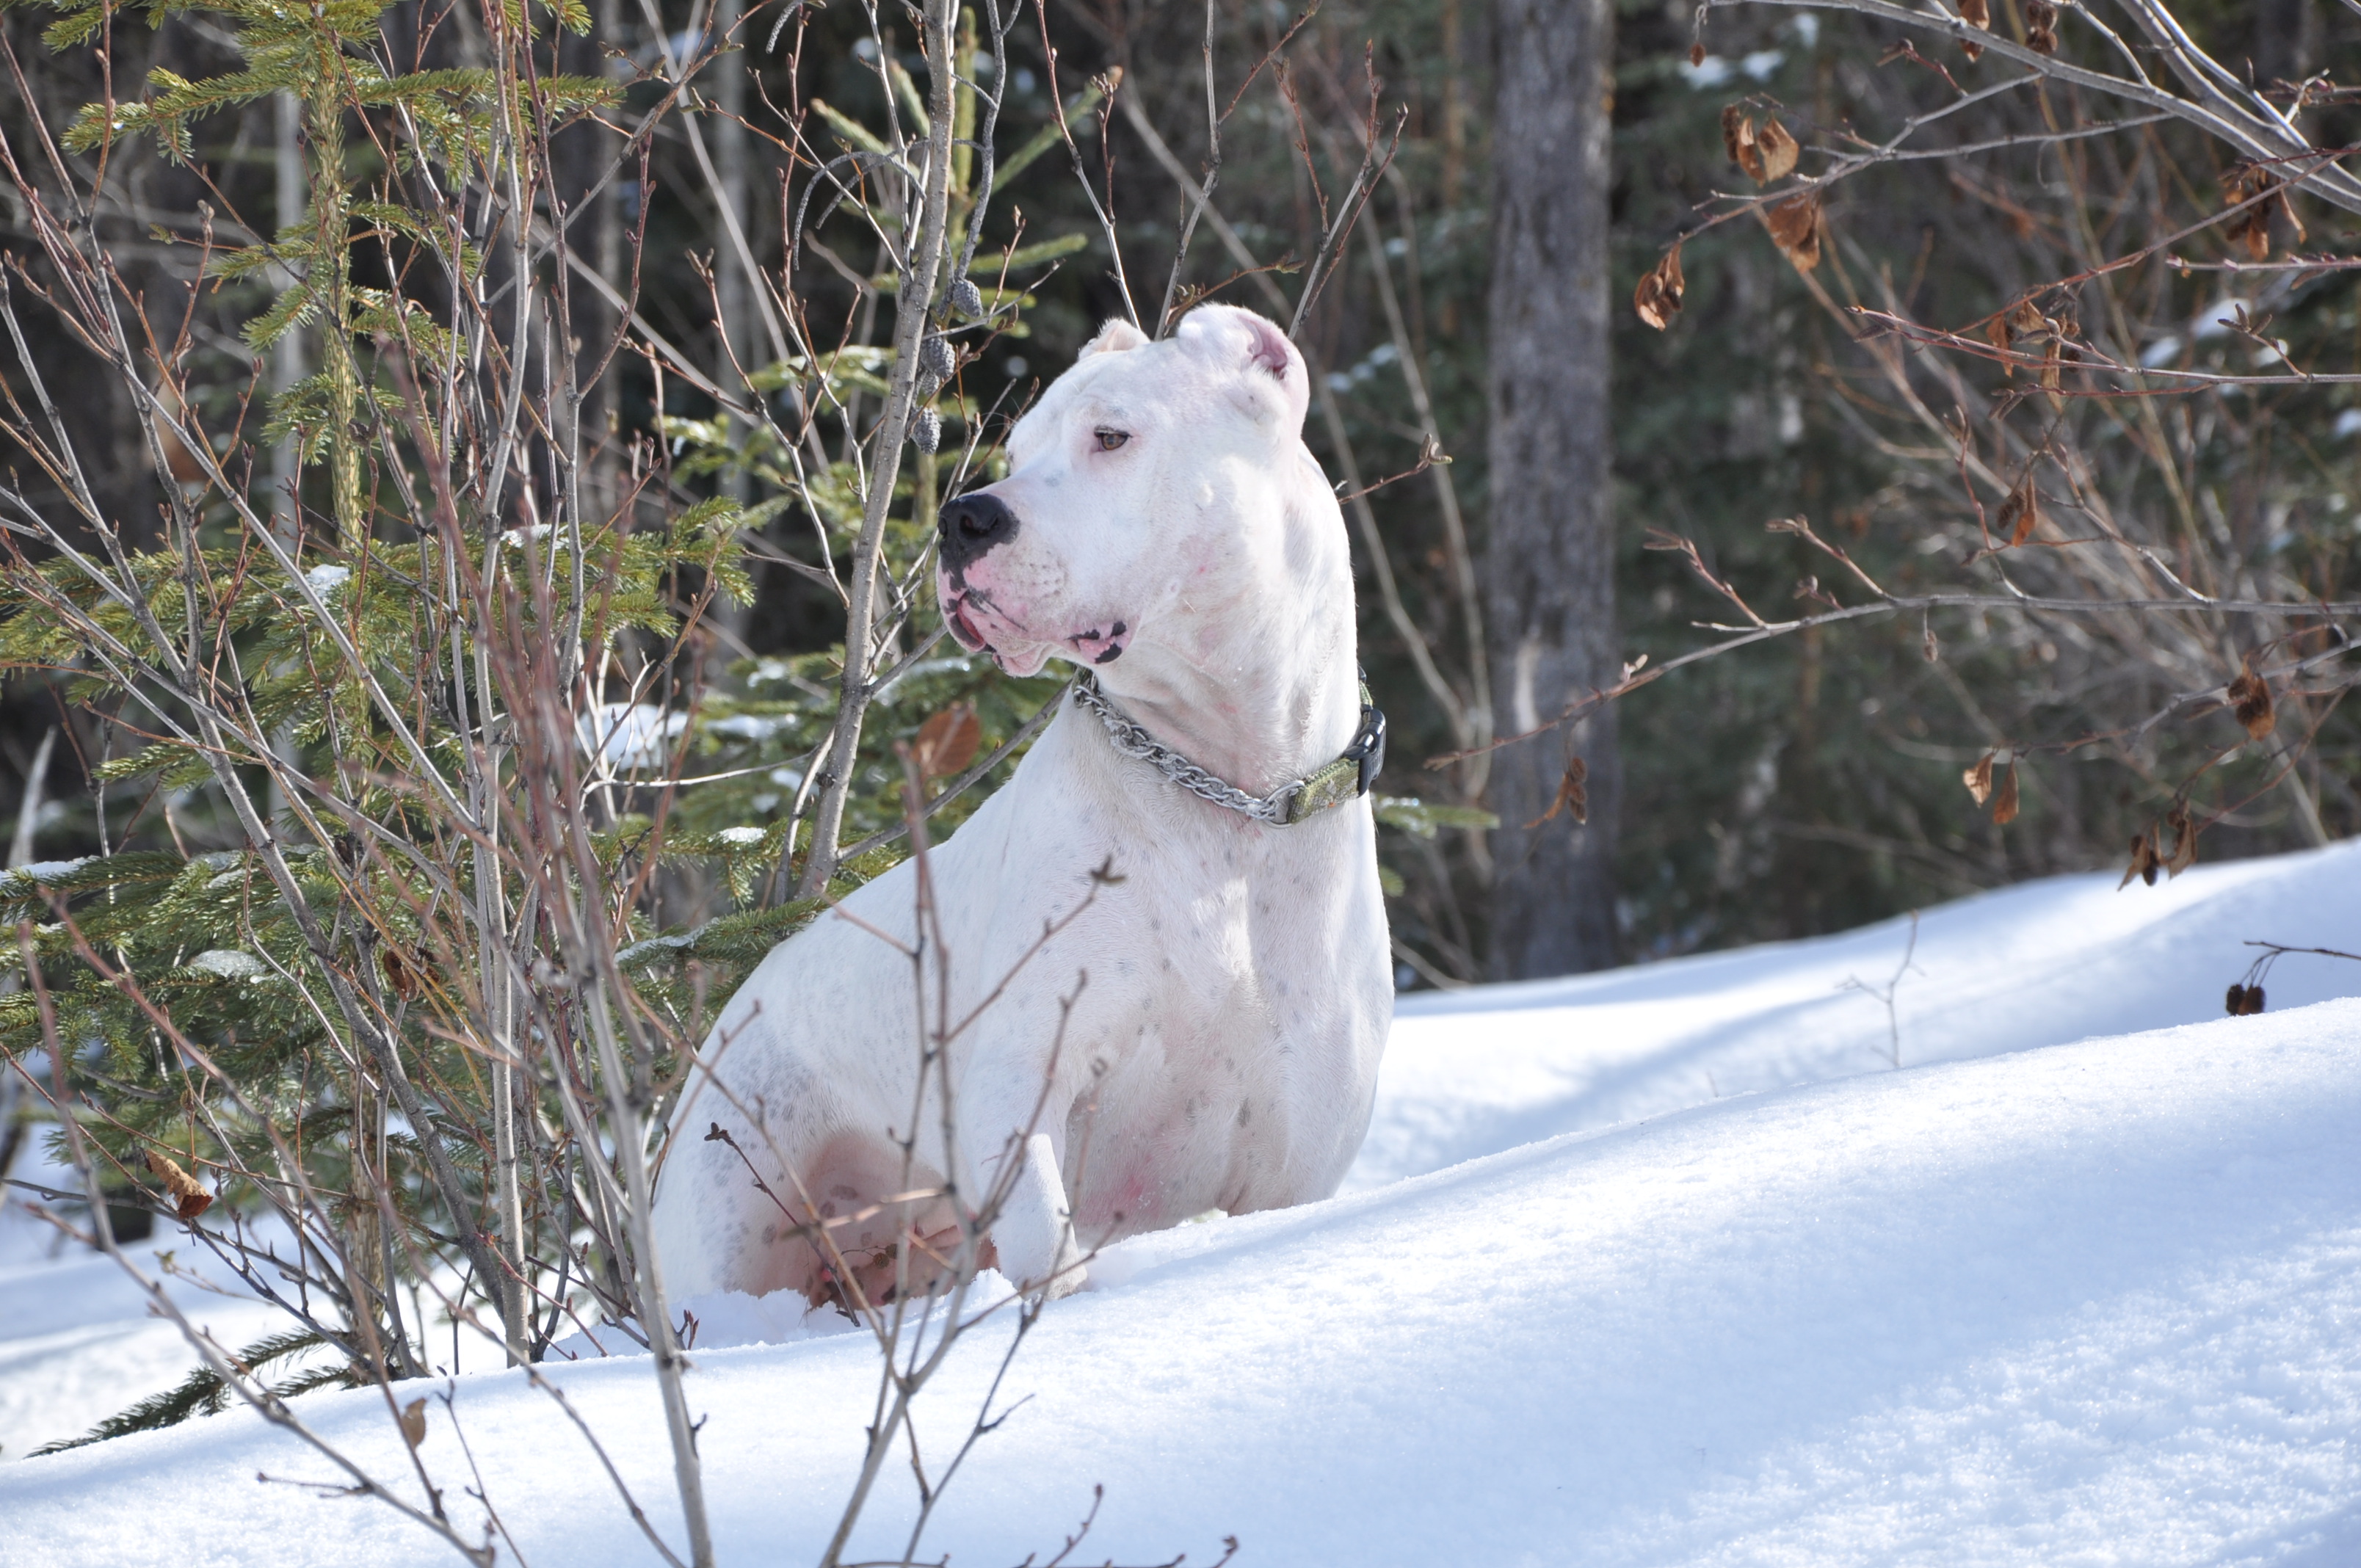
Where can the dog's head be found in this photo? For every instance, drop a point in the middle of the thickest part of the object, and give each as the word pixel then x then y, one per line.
pixel 1151 483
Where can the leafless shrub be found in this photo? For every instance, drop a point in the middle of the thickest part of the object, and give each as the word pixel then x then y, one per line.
pixel 2069 448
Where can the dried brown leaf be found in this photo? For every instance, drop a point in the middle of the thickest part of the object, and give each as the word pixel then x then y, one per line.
pixel 1573 794
pixel 1997 333
pixel 1658 298
pixel 1979 779
pixel 2004 798
pixel 2051 354
pixel 1697 54
pixel 2286 210
pixel 2021 513
pixel 2250 702
pixel 1796 229
pixel 413 1422
pixel 947 741
pixel 2143 862
pixel 1737 138
pixel 2184 841
pixel 401 973
pixel 2020 320
pixel 1977 14
pixel 2041 27
pixel 1779 151
pixel 2252 227
pixel 179 460
pixel 188 1199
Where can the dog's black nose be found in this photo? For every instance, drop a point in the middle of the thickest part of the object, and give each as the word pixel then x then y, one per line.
pixel 972 524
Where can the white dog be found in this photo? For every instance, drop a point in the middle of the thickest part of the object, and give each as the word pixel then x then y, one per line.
pixel 1164 526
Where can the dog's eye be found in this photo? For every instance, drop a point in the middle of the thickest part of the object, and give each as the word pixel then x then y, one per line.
pixel 1111 439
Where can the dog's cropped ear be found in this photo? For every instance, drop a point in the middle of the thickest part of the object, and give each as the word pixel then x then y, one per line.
pixel 1268 375
pixel 1114 338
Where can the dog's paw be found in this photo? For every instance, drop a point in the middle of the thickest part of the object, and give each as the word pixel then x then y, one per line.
pixel 1033 1236
pixel 1049 1280
pixel 1068 1280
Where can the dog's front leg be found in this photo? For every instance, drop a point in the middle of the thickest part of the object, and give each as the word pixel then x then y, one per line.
pixel 1034 1233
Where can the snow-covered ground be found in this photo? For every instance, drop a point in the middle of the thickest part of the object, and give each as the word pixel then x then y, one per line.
pixel 1665 1266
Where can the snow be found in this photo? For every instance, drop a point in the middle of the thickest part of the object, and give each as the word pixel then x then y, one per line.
pixel 751 726
pixel 725 1318
pixel 22 882
pixel 2040 964
pixel 76 1344
pixel 230 964
pixel 1713 71
pixel 2218 318
pixel 648 946
pixel 1710 72
pixel 630 734
pixel 1667 1265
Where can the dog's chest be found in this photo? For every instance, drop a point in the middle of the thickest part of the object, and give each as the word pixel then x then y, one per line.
pixel 1229 984
pixel 1230 1055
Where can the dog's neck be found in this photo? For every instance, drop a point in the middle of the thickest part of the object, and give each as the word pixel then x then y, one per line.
pixel 1264 688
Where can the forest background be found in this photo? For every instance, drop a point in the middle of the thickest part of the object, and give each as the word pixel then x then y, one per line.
pixel 471 480
pixel 1811 783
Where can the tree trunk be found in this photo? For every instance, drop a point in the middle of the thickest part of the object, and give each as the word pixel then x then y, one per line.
pixel 1550 566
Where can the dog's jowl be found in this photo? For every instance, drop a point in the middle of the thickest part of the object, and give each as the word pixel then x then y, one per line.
pixel 1226 992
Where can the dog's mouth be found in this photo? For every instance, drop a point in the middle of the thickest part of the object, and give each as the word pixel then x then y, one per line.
pixel 968 613
pixel 979 626
pixel 963 632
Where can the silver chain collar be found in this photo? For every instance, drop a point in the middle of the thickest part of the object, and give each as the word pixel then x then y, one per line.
pixel 1132 740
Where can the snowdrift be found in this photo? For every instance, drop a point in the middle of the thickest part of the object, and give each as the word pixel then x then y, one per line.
pixel 2019 1301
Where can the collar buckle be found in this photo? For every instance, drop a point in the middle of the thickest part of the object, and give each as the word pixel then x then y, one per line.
pixel 1368 747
